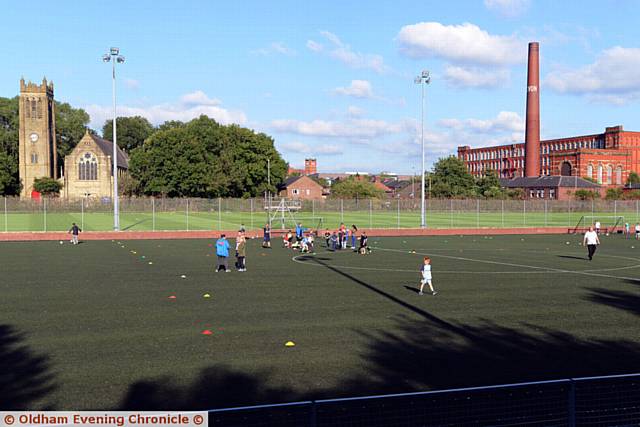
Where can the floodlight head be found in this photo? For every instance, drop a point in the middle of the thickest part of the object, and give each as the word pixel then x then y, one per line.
pixel 417 80
pixel 106 57
pixel 425 74
pixel 114 51
pixel 120 59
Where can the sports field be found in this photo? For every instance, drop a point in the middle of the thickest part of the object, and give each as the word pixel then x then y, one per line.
pixel 92 326
pixel 228 220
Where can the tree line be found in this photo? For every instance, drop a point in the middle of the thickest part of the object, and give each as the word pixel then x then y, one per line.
pixel 199 158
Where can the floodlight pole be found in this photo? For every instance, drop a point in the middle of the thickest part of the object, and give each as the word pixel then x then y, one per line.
pixel 269 190
pixel 114 56
pixel 422 79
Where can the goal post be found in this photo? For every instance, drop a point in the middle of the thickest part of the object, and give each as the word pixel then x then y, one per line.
pixel 608 223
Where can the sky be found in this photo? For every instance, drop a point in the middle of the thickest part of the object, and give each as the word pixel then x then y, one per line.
pixel 334 80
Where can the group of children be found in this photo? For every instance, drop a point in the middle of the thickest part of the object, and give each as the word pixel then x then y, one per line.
pixel 303 240
pixel 342 237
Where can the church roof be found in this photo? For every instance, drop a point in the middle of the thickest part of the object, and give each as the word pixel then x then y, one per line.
pixel 107 148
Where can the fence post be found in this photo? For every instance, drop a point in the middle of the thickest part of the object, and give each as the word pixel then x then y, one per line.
pixel 44 207
pixel 545 213
pixel 153 214
pixel 571 404
pixel 219 213
pixel 251 210
pixel 451 212
pixel 615 208
pixel 341 210
pixel 6 221
pixel 313 209
pixel 82 213
pixel 398 213
pixel 370 214
pixel 502 209
pixel 636 211
pixel 524 212
pixel 187 214
pixel 570 222
pixel 477 213
pixel 591 210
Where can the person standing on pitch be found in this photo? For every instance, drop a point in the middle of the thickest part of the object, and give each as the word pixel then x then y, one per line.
pixel 637 231
pixel 627 230
pixel 597 227
pixel 426 276
pixel 266 240
pixel 74 230
pixel 354 238
pixel 241 253
pixel 222 250
pixel 591 241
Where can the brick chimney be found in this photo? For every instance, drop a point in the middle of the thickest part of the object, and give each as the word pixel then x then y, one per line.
pixel 532 132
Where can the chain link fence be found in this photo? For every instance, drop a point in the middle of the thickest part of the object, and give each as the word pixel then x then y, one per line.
pixel 151 214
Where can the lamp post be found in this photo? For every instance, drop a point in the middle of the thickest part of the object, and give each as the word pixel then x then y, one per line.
pixel 422 79
pixel 114 57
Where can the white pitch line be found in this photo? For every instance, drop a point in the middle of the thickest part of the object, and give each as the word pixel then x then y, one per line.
pixel 550 269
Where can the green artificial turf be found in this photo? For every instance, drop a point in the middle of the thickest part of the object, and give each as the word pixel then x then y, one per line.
pixel 143 221
pixel 91 326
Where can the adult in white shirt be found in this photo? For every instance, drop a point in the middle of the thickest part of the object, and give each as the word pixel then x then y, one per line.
pixel 591 241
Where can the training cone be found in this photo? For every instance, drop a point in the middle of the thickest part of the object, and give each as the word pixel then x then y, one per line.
pixel 206 332
pixel 206 296
pixel 150 263
pixel 183 276
pixel 289 344
pixel 172 297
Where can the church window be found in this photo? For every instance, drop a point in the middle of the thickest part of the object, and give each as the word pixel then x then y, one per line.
pixel 88 167
pixel 34 158
pixel 609 174
pixel 590 171
pixel 34 107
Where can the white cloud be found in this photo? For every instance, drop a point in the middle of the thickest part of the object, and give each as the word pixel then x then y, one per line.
pixel 132 84
pixel 316 149
pixel 466 43
pixel 343 53
pixel 188 107
pixel 354 111
pixel 612 78
pixel 509 8
pixel 358 89
pixel 275 48
pixel 314 46
pixel 475 76
pixel 359 129
pixel 505 121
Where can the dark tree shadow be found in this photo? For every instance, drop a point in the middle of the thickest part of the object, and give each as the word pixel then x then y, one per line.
pixel 25 377
pixel 617 299
pixel 426 356
pixel 412 289
pixel 216 387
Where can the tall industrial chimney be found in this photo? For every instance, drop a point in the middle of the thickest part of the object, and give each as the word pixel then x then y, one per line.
pixel 532 132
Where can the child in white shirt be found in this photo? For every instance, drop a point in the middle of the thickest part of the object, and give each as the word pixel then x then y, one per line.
pixel 426 276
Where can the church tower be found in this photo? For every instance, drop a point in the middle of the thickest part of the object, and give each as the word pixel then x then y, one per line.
pixel 37 156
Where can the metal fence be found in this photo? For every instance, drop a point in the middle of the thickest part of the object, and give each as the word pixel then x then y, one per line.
pixel 601 401
pixel 54 214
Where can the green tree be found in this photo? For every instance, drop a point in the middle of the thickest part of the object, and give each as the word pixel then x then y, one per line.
pixel 71 124
pixel 47 186
pixel 586 194
pixel 9 180
pixel 633 178
pixel 451 179
pixel 355 188
pixel 204 159
pixel 614 194
pixel 489 186
pixel 132 131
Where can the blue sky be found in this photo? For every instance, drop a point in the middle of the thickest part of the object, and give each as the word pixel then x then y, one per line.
pixel 334 79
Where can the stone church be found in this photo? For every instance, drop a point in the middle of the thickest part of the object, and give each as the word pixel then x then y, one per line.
pixel 88 170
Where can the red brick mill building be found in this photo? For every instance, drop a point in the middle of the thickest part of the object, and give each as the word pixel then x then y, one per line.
pixel 608 158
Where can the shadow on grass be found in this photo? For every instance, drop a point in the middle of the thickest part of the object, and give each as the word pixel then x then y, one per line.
pixel 416 354
pixel 573 257
pixel 135 224
pixel 25 377
pixel 618 299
